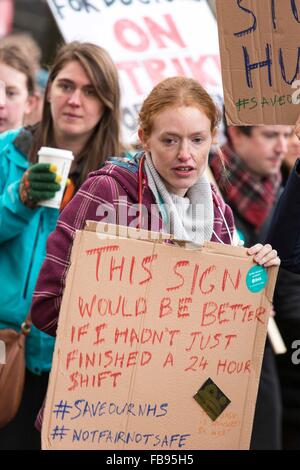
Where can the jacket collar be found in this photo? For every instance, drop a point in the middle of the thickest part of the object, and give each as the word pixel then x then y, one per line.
pixel 22 143
pixel 23 140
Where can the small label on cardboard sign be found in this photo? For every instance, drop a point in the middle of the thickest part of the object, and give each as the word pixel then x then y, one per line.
pixel 256 279
pixel 211 399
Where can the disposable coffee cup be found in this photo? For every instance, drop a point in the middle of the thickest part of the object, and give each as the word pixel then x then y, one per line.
pixel 63 160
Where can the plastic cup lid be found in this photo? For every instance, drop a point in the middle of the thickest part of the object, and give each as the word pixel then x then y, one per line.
pixel 54 152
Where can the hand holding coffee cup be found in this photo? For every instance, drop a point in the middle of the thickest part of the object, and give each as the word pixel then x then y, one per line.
pixel 62 159
pixel 38 183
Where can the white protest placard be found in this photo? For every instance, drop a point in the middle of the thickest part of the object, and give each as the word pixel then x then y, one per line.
pixel 149 40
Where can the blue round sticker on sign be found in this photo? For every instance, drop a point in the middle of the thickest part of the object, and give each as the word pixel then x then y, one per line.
pixel 256 279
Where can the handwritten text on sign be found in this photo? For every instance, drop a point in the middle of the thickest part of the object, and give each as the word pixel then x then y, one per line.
pixel 143 327
pixel 112 267
pixel 260 53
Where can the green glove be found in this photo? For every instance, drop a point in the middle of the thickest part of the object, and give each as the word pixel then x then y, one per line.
pixel 39 182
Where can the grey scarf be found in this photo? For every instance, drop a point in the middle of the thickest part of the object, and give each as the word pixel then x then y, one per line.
pixel 188 218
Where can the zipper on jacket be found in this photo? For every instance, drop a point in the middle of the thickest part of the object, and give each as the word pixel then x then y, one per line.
pixel 32 255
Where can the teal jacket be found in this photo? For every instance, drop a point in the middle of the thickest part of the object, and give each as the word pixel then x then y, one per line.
pixel 23 236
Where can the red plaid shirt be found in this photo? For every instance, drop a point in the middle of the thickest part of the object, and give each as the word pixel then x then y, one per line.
pixel 250 195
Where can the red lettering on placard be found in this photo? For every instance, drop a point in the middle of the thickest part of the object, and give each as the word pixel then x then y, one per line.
pixel 140 306
pixel 195 274
pixel 260 311
pixel 99 329
pixel 86 307
pixel 154 69
pixel 99 252
pixel 147 260
pixel 172 334
pixel 131 271
pixel 203 276
pixel 141 41
pixel 209 341
pixel 197 363
pixel 235 283
pixel 198 68
pixel 183 310
pixel 178 66
pixel 169 360
pixel 146 358
pixel 136 38
pixel 71 356
pixel 81 331
pixel 233 367
pixel 157 32
pixel 229 338
pixel 165 308
pixel 94 380
pixel 179 264
pixel 116 267
pixel 129 67
pixel 208 315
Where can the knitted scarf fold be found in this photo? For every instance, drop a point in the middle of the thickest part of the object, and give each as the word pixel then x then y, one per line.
pixel 188 218
pixel 250 195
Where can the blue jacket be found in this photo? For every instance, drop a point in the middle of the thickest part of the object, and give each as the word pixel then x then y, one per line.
pixel 284 234
pixel 23 235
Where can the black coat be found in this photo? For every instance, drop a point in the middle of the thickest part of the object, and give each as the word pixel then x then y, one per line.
pixel 284 234
pixel 287 307
pixel 266 432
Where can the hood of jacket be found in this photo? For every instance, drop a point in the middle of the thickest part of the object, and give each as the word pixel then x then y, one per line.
pixel 125 170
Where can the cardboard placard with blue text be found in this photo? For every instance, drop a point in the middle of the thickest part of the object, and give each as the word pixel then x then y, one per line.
pixel 158 347
pixel 260 57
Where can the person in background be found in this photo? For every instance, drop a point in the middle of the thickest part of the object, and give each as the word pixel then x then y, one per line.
pixel 17 87
pixel 252 180
pixel 251 186
pixel 289 160
pixel 30 49
pixel 26 43
pixel 81 113
pixel 36 112
pixel 177 125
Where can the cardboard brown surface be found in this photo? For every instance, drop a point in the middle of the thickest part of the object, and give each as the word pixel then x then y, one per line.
pixel 265 33
pixel 177 338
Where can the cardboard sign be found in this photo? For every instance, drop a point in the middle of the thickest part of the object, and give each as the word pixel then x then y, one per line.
pixel 158 346
pixel 148 41
pixel 260 56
